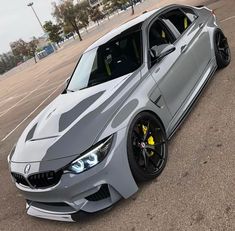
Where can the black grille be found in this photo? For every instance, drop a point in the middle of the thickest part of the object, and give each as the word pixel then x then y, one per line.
pixel 45 179
pixel 19 179
pixel 39 180
pixel 101 194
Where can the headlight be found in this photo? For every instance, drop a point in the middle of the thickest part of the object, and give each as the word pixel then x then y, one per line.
pixel 92 157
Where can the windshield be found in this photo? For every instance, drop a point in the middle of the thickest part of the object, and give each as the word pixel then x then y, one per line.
pixel 109 61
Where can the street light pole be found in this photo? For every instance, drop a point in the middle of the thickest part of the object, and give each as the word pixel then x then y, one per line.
pixel 31 5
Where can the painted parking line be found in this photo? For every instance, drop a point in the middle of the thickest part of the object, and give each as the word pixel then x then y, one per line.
pixel 23 94
pixel 52 84
pixel 37 95
pixel 13 130
pixel 26 96
pixel 12 97
pixel 2 103
pixel 227 19
pixel 6 101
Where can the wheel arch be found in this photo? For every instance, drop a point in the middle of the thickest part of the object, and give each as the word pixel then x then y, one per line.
pixel 153 113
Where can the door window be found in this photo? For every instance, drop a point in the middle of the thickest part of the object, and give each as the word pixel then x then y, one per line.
pixel 160 37
pixel 178 19
pixel 190 14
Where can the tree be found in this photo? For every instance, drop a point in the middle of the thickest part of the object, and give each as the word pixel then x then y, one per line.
pixel 96 14
pixel 22 49
pixel 118 4
pixel 53 31
pixel 132 7
pixel 19 48
pixel 107 7
pixel 7 62
pixel 83 9
pixel 67 13
pixel 3 65
pixel 113 5
pixel 68 30
pixel 32 47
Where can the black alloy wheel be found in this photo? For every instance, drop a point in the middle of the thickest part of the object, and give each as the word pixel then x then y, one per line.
pixel 147 147
pixel 222 50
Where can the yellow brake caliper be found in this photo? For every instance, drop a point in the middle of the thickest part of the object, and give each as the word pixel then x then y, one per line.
pixel 144 129
pixel 150 140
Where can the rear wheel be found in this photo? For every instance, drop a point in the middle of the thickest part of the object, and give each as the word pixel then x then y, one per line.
pixel 222 51
pixel 147 147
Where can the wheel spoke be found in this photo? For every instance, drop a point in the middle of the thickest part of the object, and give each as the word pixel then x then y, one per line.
pixel 218 40
pixel 160 143
pixel 224 53
pixel 152 147
pixel 145 158
pixel 153 164
pixel 137 135
pixel 147 132
pixel 155 145
pixel 159 155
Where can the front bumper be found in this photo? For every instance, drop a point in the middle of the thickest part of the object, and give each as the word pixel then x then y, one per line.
pixel 91 191
pixel 40 213
pixel 59 213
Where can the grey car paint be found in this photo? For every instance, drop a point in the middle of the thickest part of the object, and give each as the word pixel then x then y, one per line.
pixel 74 122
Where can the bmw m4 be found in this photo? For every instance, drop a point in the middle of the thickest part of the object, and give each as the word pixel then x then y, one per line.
pixel 109 129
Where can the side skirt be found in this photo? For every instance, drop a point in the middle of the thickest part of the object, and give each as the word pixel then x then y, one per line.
pixel 186 108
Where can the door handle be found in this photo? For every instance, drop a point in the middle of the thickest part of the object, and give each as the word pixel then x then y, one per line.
pixel 184 48
pixel 201 25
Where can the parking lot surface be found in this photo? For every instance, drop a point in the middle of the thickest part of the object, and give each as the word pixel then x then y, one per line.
pixel 195 192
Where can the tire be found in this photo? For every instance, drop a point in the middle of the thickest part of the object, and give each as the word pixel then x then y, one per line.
pixel 222 50
pixel 147 152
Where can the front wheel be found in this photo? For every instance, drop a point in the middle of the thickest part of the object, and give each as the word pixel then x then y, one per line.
pixel 146 147
pixel 222 50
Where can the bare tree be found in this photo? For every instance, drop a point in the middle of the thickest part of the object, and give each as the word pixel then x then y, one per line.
pixel 67 13
pixel 23 49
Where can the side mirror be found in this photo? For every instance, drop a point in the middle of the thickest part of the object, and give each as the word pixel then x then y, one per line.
pixel 159 52
pixel 67 80
pixel 154 52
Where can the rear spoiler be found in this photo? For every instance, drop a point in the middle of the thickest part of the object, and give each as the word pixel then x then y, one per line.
pixel 199 6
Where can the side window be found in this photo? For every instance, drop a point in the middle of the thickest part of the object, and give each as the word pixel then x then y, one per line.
pixel 190 14
pixel 159 38
pixel 178 19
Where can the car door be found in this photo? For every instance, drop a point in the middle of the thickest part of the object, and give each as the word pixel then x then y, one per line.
pixel 199 37
pixel 176 73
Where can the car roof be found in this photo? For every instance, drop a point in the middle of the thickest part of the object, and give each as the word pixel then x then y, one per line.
pixel 139 20
pixel 115 32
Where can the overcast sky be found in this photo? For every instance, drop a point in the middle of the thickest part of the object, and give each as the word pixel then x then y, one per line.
pixel 18 21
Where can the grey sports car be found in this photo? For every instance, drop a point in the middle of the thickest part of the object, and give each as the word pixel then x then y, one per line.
pixel 109 128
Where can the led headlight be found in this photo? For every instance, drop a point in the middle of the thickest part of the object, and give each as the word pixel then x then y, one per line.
pixel 92 157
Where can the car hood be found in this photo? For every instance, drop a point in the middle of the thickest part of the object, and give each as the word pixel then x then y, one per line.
pixel 73 121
